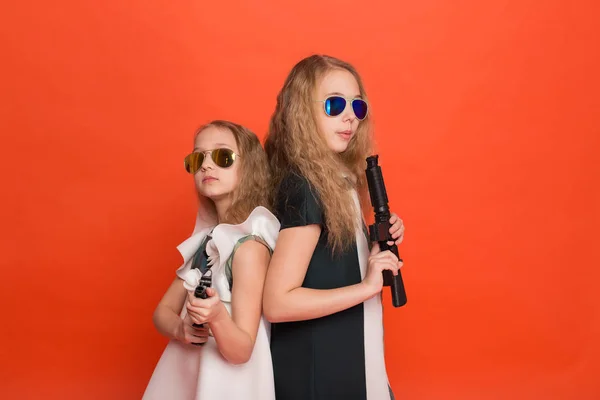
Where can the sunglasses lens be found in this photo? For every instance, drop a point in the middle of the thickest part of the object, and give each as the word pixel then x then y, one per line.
pixel 193 162
pixel 360 108
pixel 223 157
pixel 335 105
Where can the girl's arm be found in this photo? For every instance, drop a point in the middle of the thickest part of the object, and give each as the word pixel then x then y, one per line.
pixel 284 298
pixel 166 315
pixel 235 334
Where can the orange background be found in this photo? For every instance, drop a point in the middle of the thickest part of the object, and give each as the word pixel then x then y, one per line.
pixel 486 115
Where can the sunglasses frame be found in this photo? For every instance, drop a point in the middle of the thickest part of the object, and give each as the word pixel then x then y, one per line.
pixel 234 157
pixel 348 100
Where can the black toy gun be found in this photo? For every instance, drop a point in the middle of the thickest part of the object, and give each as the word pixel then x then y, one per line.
pixel 200 292
pixel 205 281
pixel 380 230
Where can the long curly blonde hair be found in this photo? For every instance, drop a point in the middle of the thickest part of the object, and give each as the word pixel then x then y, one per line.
pixel 294 144
pixel 254 177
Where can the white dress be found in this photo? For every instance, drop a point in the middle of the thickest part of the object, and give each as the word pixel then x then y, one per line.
pixel 188 372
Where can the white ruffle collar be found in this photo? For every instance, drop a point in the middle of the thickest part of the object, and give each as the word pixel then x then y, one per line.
pixel 261 222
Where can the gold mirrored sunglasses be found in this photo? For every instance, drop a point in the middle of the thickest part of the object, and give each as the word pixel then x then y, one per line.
pixel 222 158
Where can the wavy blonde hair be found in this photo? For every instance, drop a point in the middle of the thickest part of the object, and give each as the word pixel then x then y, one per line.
pixel 254 178
pixel 294 144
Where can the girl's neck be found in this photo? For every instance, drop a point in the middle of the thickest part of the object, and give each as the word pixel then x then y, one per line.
pixel 221 207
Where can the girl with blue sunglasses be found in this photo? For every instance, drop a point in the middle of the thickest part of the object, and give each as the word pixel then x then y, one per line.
pixel 323 288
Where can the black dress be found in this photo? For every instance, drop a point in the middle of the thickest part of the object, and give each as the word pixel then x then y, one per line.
pixel 325 358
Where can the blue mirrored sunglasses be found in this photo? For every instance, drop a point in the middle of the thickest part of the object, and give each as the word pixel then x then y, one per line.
pixel 335 105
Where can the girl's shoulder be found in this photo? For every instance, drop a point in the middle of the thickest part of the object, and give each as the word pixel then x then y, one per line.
pixel 297 203
pixel 293 182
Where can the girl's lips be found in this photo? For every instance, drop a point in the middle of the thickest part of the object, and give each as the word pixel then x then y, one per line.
pixel 346 135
